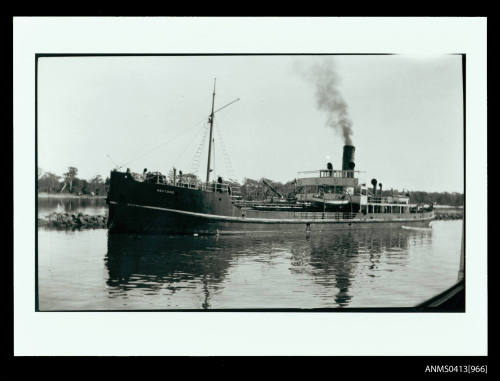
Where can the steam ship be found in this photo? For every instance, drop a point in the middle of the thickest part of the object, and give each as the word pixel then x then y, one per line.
pixel 325 199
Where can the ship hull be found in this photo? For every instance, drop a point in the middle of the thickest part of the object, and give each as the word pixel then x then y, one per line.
pixel 140 219
pixel 143 208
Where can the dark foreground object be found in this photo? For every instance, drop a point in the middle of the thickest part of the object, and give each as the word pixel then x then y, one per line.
pixel 450 300
pixel 73 221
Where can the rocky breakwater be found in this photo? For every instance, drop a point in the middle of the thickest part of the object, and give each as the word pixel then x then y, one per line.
pixel 449 216
pixel 449 213
pixel 67 221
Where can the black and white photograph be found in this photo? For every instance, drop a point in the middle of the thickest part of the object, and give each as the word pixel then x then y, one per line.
pixel 326 181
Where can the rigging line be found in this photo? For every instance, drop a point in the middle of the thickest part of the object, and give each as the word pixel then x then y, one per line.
pixel 146 145
pixel 190 143
pixel 195 164
pixel 161 144
pixel 227 105
pixel 184 151
pixel 227 158
pixel 114 162
pixel 197 155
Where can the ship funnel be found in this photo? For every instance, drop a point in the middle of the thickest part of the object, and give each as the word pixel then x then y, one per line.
pixel 348 159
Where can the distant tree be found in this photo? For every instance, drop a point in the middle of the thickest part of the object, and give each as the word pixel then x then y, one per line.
pixel 190 178
pixel 69 178
pixel 48 182
pixel 79 186
pixel 289 189
pixel 96 185
pixel 97 179
pixel 440 198
pixel 39 172
pixel 251 189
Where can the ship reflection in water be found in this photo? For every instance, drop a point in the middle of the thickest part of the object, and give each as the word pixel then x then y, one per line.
pixel 381 267
pixel 168 264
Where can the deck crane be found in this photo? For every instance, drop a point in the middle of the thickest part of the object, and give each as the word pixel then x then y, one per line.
pixel 268 184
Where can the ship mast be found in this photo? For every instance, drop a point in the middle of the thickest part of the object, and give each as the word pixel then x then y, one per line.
pixel 211 120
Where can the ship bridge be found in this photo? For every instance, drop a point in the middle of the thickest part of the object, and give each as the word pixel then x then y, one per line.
pixel 326 177
pixel 333 187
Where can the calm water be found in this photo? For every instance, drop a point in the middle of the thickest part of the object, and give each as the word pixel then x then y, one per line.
pixel 92 206
pixel 380 267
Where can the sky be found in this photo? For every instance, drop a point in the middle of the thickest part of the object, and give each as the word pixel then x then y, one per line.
pixel 95 113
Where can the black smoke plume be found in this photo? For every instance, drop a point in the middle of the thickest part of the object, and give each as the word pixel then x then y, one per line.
pixel 326 80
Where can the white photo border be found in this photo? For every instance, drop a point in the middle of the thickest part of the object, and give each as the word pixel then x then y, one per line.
pixel 254 333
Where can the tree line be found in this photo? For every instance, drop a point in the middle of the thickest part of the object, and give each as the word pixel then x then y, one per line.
pixel 440 198
pixel 69 182
pixel 251 189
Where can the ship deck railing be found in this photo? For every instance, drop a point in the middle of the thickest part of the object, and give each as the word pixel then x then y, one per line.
pixel 328 173
pixel 207 187
pixel 325 196
pixel 308 215
pixel 238 201
pixel 220 187
pixel 386 200
pixel 325 215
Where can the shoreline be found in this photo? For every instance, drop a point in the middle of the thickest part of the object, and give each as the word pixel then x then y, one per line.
pixel 80 221
pixel 68 195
